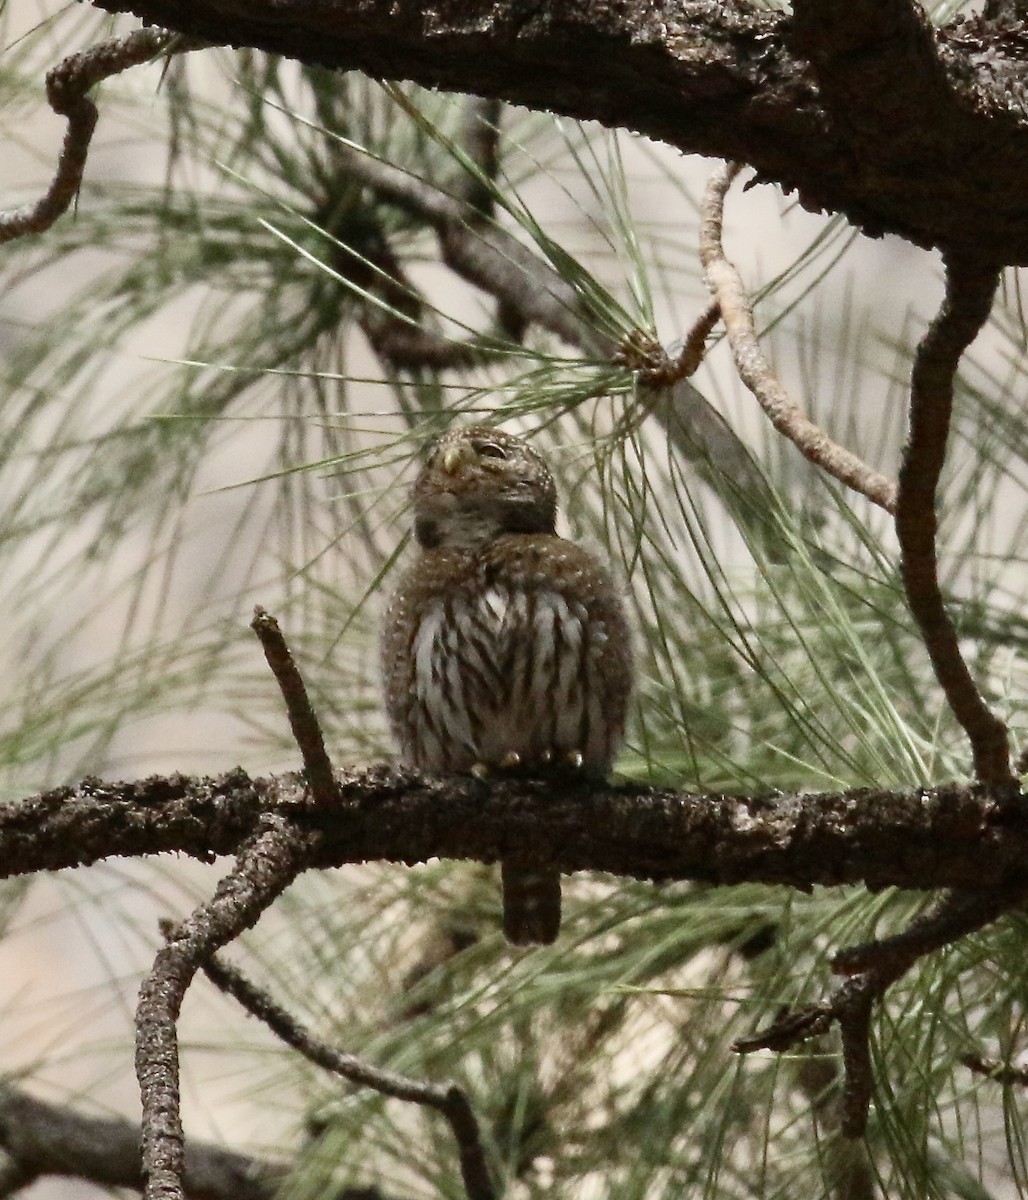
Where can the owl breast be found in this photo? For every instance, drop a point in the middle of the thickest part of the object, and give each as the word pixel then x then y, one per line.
pixel 499 663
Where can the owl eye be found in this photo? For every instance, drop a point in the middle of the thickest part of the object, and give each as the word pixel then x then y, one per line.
pixel 489 450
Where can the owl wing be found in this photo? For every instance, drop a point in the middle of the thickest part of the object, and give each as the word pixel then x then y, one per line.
pixel 418 636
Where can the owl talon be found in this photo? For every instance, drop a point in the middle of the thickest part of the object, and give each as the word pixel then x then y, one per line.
pixel 510 761
pixel 480 770
pixel 574 759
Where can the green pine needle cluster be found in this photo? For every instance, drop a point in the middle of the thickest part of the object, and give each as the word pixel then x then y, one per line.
pixel 197 419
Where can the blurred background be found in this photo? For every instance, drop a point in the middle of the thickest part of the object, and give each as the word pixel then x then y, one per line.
pixel 205 408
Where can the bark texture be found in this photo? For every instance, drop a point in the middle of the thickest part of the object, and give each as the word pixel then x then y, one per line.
pixel 858 106
pixel 953 836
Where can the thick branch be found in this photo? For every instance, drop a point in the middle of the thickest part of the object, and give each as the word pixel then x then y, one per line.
pixel 953 836
pixel 877 68
pixel 948 168
pixel 51 1140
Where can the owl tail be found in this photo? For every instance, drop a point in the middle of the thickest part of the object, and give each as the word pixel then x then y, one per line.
pixel 531 904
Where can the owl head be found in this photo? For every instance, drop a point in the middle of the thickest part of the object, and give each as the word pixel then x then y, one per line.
pixel 477 483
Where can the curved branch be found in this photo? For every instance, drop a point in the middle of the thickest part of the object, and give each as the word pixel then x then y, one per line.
pixel 755 371
pixel 264 869
pixel 66 87
pixel 970 288
pixel 445 1098
pixel 873 967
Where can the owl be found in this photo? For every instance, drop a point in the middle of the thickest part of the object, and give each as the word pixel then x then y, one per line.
pixel 505 647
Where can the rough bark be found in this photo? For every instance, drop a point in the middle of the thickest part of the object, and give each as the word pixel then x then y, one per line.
pixel 953 836
pixel 858 106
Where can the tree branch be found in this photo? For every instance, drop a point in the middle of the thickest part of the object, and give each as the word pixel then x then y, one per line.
pixel 996 1070
pixel 66 87
pixel 481 142
pixel 969 291
pixel 873 968
pixel 482 252
pixel 302 718
pixel 527 289
pixel 809 100
pixel 654 367
pixel 879 71
pixel 952 836
pixel 445 1098
pixel 51 1140
pixel 264 869
pixel 755 371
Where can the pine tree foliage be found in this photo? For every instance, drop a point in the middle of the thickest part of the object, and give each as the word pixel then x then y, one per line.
pixel 202 413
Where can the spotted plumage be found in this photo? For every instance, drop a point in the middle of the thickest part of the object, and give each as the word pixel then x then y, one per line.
pixel 505 646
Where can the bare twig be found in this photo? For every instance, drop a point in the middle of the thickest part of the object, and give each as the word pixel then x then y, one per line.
pixel 302 719
pixel 873 968
pixel 66 88
pixel 412 347
pixel 447 1099
pixel 694 349
pixel 651 363
pixel 263 870
pixel 970 288
pixel 953 916
pixel 996 1070
pixel 849 1006
pixel 726 286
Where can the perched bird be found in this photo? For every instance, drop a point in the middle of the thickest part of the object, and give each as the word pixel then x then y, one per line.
pixel 505 647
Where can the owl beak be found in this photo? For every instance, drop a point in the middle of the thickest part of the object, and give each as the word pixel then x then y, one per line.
pixel 454 457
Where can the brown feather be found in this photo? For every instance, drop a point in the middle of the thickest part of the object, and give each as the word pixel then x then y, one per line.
pixel 504 644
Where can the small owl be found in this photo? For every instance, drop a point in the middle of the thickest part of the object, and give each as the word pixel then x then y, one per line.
pixel 505 647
